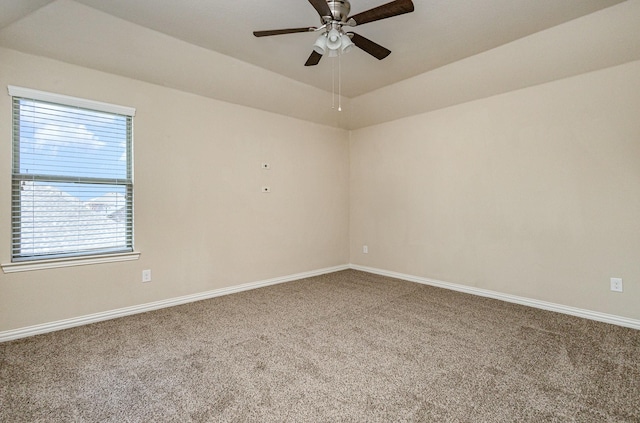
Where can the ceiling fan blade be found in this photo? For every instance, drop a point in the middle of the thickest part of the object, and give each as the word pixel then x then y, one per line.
pixel 376 50
pixel 321 7
pixel 314 59
pixel 281 31
pixel 395 8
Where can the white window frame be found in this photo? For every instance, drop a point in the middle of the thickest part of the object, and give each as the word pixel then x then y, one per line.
pixel 46 263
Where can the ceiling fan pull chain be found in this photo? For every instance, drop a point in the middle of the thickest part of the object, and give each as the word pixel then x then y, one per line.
pixel 333 84
pixel 339 82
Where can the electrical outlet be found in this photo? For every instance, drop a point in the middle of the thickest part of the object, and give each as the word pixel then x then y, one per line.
pixel 365 249
pixel 616 284
pixel 146 275
pixel 266 190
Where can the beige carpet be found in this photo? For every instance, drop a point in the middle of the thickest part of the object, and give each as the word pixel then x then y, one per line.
pixel 344 347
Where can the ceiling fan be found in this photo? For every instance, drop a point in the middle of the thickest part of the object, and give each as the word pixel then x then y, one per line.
pixel 334 15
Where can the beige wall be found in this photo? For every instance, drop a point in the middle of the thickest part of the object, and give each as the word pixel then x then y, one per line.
pixel 201 222
pixel 534 193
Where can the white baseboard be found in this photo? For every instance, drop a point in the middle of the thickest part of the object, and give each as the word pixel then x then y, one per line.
pixel 142 308
pixel 126 311
pixel 573 311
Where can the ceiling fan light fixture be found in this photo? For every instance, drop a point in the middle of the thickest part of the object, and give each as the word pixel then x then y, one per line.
pixel 346 44
pixel 320 46
pixel 334 39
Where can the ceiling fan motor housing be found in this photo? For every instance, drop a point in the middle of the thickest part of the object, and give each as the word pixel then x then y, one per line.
pixel 340 9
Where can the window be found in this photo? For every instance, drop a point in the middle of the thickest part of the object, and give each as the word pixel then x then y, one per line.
pixel 72 177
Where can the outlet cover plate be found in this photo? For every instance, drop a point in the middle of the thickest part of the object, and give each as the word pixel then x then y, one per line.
pixel 616 284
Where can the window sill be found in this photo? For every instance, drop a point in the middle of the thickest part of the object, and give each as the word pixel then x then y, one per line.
pixel 27 266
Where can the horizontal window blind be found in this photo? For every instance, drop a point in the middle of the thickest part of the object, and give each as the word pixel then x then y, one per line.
pixel 72 190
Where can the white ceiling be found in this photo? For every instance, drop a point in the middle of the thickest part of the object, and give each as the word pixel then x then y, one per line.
pixel 446 52
pixel 439 32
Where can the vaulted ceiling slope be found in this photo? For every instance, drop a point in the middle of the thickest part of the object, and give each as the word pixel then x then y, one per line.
pixel 444 53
